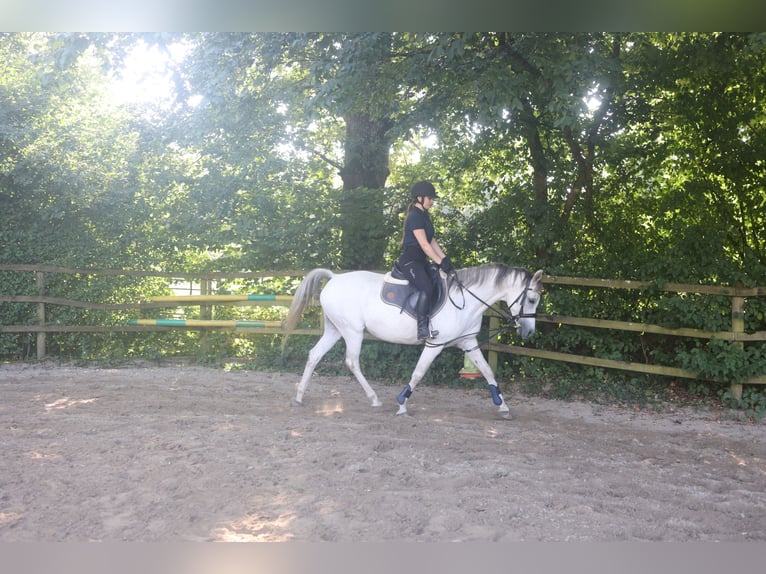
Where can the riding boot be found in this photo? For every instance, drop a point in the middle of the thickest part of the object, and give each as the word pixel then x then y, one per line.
pixel 422 309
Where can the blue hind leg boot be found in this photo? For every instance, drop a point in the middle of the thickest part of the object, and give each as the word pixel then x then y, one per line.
pixel 405 394
pixel 496 396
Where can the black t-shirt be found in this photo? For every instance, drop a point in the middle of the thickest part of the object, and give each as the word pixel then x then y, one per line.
pixel 416 219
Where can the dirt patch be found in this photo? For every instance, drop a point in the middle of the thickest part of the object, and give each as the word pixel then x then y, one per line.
pixel 198 454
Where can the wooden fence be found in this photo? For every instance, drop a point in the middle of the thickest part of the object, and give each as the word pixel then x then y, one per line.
pixel 207 301
pixel 736 334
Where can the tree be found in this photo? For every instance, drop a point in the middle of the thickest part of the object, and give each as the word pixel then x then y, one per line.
pixel 344 99
pixel 523 101
pixel 688 163
pixel 65 154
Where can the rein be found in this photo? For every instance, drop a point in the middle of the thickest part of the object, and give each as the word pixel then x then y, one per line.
pixel 500 313
pixel 511 321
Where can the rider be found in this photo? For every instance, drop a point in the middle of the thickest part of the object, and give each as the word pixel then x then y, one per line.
pixel 417 244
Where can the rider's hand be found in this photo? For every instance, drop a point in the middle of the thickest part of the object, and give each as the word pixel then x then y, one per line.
pixel 446 265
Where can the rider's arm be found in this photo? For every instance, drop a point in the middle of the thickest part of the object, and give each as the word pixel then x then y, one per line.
pixel 433 249
pixel 438 249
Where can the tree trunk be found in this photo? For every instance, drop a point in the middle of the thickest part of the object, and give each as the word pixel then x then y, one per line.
pixel 366 152
pixel 364 174
pixel 540 207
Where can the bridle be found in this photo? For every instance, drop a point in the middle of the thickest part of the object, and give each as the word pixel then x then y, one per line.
pixel 507 317
pixel 511 321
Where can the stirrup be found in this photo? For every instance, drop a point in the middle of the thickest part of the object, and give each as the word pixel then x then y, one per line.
pixel 431 335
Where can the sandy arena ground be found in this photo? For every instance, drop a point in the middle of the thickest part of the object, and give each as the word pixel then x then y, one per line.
pixel 188 453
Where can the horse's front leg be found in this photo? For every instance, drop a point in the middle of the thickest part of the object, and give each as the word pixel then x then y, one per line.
pixel 477 358
pixel 424 362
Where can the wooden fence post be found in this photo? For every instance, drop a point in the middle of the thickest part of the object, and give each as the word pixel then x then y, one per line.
pixel 494 327
pixel 205 288
pixel 205 312
pixel 737 327
pixel 40 282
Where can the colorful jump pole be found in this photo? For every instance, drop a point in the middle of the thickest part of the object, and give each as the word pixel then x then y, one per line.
pixel 220 298
pixel 227 323
pixel 241 324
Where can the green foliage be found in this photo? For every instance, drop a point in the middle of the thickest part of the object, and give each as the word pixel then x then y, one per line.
pixel 719 360
pixel 752 404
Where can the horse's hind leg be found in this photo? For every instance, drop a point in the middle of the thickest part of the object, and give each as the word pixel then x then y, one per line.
pixel 353 349
pixel 325 343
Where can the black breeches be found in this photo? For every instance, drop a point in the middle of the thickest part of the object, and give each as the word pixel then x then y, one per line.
pixel 418 275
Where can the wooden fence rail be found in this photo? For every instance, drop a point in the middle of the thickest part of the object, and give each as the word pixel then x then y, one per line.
pixel 207 301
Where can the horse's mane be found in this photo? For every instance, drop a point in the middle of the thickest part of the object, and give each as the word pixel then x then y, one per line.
pixel 497 272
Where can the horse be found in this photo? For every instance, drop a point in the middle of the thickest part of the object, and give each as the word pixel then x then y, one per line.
pixel 352 304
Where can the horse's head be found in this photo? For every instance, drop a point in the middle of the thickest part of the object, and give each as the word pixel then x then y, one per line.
pixel 523 306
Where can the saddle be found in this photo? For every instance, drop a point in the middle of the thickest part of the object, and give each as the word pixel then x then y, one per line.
pixel 398 292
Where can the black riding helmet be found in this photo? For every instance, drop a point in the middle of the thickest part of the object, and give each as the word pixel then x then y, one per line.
pixel 422 189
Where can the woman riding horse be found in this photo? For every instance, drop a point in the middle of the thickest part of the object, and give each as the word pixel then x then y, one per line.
pixel 417 244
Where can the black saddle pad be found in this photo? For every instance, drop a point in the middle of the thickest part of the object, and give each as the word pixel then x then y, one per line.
pixel 405 296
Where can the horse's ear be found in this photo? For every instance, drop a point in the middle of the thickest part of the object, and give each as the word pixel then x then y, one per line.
pixel 538 276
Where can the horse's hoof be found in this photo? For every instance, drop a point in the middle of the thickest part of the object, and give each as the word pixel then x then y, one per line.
pixel 376 403
pixel 402 411
pixel 296 403
pixel 505 414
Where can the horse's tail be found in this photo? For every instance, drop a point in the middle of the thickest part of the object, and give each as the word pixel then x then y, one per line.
pixel 306 294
